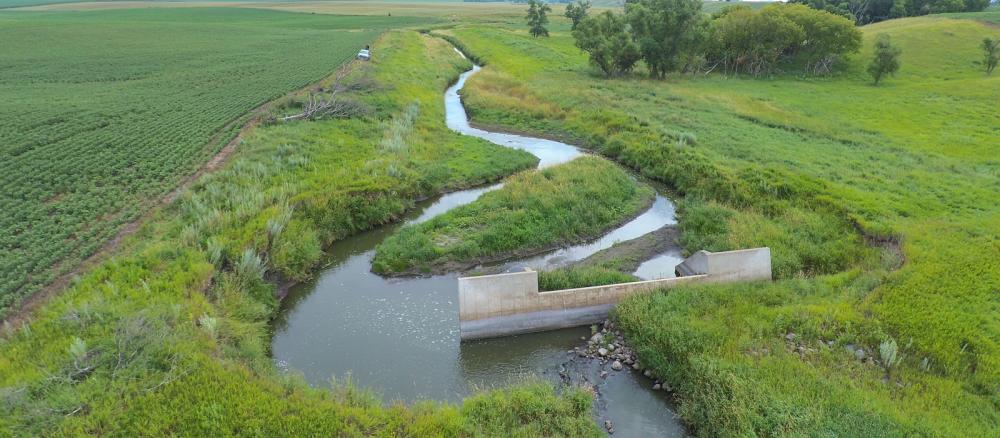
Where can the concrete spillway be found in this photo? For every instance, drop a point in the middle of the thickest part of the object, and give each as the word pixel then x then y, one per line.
pixel 509 304
pixel 401 336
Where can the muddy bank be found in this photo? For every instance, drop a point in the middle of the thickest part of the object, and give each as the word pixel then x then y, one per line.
pixel 627 256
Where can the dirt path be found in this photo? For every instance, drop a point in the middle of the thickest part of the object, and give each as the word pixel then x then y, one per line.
pixel 22 313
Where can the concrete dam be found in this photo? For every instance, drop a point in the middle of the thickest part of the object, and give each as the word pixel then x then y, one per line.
pixel 510 304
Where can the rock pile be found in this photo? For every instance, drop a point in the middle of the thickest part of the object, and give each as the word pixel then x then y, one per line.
pixel 608 346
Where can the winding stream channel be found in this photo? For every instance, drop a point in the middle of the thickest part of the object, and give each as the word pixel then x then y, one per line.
pixel 400 336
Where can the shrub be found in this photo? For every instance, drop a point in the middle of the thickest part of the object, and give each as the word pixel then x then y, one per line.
pixel 605 38
pixel 755 42
pixel 885 60
pixel 250 267
pixel 991 54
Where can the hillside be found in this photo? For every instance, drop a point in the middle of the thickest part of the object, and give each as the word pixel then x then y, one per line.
pixel 880 203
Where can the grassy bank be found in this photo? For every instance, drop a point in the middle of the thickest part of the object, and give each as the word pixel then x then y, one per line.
pixel 123 105
pixel 170 336
pixel 818 169
pixel 533 212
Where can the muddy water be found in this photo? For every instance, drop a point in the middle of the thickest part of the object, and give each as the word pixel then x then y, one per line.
pixel 399 336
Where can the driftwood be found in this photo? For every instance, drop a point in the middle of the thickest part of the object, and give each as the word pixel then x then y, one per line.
pixel 330 103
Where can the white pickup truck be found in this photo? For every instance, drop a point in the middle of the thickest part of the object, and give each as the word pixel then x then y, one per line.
pixel 365 55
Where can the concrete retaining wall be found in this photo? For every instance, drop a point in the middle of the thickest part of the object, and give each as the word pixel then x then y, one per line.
pixel 508 304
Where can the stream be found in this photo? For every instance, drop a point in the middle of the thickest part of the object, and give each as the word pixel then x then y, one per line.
pixel 400 336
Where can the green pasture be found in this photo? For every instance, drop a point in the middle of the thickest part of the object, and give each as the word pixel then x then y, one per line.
pixel 880 205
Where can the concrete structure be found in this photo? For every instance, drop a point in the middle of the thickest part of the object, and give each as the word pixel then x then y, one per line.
pixel 509 304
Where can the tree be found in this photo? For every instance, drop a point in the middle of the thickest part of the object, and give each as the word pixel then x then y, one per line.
pixel 577 11
pixel 606 39
pixel 870 11
pixel 827 37
pixel 537 19
pixel 991 52
pixel 885 61
pixel 752 42
pixel 667 31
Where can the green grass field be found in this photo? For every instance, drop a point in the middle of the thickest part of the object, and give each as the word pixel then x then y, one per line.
pixel 123 104
pixel 170 338
pixel 829 172
pixel 534 211
pixel 881 205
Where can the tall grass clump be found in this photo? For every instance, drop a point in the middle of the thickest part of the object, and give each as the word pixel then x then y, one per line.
pixel 534 211
pixel 250 267
pixel 400 126
pixel 584 276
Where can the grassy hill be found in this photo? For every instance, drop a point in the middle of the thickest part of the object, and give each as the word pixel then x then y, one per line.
pixel 881 205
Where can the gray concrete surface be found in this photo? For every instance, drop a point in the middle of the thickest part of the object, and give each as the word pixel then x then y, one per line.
pixel 508 304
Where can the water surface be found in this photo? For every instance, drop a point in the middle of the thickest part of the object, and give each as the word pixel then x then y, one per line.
pixel 400 336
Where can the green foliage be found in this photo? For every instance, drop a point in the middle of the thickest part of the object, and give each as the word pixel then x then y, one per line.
pixel 606 39
pixel 755 42
pixel 537 19
pixel 745 41
pixel 865 12
pixel 576 11
pixel 585 276
pixel 503 413
pixel 803 166
pixel 991 54
pixel 672 35
pixel 534 211
pixel 889 353
pixel 170 337
pixel 124 104
pixel 885 59
pixel 669 32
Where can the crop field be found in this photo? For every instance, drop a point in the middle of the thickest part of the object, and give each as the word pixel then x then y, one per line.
pixel 121 105
pixel 170 337
pixel 880 205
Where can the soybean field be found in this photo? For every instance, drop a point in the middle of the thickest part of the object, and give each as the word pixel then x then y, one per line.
pixel 104 112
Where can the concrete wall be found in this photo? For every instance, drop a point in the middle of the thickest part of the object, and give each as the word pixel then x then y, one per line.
pixel 507 304
pixel 741 264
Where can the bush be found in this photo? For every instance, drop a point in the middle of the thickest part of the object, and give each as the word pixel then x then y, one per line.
pixel 755 42
pixel 885 60
pixel 605 38
pixel 874 11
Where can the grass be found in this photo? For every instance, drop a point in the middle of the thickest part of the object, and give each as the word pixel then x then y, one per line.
pixel 990 15
pixel 584 276
pixel 122 105
pixel 169 337
pixel 817 169
pixel 534 211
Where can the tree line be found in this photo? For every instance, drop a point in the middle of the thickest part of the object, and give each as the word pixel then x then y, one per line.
pixel 871 11
pixel 674 35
